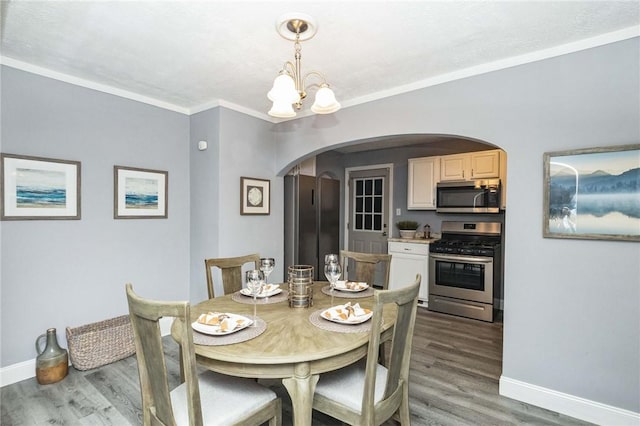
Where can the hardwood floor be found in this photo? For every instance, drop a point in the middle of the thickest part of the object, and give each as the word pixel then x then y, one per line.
pixel 455 367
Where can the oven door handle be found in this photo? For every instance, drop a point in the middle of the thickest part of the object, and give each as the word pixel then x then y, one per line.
pixel 461 258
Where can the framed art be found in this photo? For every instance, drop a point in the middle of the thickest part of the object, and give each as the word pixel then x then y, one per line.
pixel 39 188
pixel 593 193
pixel 255 196
pixel 139 193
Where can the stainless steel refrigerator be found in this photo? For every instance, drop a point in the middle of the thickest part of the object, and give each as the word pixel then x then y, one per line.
pixel 311 221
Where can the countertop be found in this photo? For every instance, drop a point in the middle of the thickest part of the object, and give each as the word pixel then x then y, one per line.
pixel 413 240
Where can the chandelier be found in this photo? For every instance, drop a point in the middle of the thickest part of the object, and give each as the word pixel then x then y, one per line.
pixel 289 87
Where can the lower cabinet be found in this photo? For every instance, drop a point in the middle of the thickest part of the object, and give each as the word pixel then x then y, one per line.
pixel 407 260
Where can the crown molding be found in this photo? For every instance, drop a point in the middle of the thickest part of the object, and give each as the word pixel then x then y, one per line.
pixel 603 39
pixel 539 55
pixel 46 72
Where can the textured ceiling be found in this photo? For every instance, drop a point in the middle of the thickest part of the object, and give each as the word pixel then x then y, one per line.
pixel 191 55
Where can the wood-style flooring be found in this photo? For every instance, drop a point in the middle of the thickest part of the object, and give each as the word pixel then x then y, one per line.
pixel 455 367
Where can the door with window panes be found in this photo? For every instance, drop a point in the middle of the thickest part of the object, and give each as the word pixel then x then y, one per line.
pixel 368 231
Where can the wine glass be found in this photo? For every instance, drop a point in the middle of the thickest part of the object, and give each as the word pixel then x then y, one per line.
pixel 254 280
pixel 266 266
pixel 332 271
pixel 331 258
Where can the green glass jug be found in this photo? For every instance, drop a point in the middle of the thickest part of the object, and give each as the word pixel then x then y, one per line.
pixel 52 362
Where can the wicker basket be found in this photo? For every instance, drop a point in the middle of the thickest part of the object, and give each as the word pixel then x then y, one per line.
pixel 100 343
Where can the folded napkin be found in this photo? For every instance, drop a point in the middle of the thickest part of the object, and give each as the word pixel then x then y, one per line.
pixel 269 288
pixel 222 320
pixel 265 290
pixel 346 312
pixel 350 285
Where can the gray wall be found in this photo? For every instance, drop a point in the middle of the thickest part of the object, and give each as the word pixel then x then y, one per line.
pixel 71 272
pixel 239 145
pixel 572 307
pixel 205 193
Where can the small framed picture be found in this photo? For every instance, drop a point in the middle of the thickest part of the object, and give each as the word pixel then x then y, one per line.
pixel 255 196
pixel 592 193
pixel 139 193
pixel 39 188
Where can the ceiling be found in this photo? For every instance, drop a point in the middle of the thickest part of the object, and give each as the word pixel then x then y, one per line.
pixel 189 56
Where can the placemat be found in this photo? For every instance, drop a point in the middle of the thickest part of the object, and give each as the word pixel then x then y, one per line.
pixel 325 324
pixel 229 339
pixel 247 300
pixel 347 294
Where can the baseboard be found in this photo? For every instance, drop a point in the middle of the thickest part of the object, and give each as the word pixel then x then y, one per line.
pixel 27 369
pixel 579 408
pixel 17 372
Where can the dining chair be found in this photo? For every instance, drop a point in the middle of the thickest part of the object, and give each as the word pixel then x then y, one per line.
pixel 368 393
pixel 206 399
pixel 231 269
pixel 365 265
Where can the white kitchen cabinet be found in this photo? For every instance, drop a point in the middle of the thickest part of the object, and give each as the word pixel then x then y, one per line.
pixel 407 260
pixel 485 164
pixel 455 167
pixel 472 165
pixel 424 174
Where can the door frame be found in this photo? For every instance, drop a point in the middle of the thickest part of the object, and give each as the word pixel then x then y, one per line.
pixel 347 197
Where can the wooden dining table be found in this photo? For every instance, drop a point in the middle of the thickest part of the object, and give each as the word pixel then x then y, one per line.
pixel 291 348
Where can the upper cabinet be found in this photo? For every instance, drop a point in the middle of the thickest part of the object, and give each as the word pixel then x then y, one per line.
pixel 473 165
pixel 424 174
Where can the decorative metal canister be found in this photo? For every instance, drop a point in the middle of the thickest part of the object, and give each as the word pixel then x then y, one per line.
pixel 300 286
pixel 52 362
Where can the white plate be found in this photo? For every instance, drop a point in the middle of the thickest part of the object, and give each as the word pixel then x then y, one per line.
pixel 342 286
pixel 276 290
pixel 351 320
pixel 214 330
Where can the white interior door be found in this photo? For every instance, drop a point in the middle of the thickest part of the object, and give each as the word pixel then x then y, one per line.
pixel 368 195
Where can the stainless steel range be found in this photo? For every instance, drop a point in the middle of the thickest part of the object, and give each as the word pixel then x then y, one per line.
pixel 465 269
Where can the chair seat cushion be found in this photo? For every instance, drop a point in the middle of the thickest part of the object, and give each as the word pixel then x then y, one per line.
pixel 224 399
pixel 347 385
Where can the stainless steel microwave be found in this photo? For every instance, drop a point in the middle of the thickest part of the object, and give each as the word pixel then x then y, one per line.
pixel 477 196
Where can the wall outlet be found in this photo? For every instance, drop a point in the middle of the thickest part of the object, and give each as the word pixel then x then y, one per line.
pixel 398 212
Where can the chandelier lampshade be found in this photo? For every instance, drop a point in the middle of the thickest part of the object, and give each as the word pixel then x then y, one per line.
pixel 284 90
pixel 282 109
pixel 325 102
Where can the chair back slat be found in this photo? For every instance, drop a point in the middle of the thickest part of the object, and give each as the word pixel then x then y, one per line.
pixel 366 265
pixel 231 270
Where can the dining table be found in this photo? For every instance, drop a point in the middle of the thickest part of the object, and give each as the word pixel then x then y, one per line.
pixel 294 344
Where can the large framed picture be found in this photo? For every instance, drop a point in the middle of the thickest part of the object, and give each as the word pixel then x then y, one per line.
pixel 255 196
pixel 35 188
pixel 140 193
pixel 593 193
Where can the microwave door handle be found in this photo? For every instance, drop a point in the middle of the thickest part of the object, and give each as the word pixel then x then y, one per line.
pixel 475 198
pixel 461 259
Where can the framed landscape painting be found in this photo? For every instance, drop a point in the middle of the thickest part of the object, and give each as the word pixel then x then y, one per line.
pixel 255 197
pixel 39 188
pixel 593 193
pixel 140 193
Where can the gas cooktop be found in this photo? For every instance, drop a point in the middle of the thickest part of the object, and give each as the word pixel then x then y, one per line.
pixel 468 238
